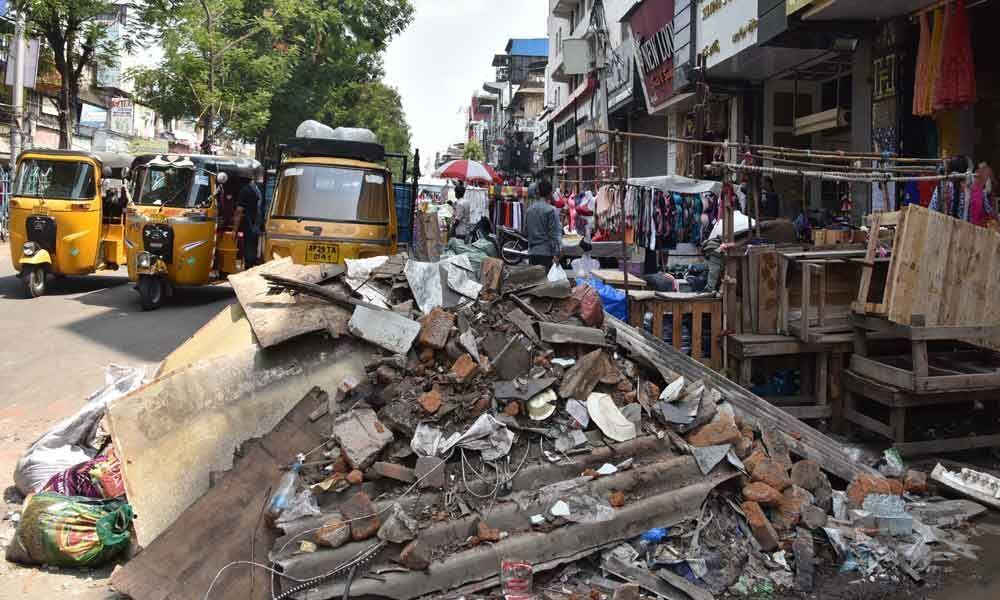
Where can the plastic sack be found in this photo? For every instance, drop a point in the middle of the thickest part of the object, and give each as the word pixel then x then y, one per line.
pixel 100 477
pixel 70 531
pixel 69 443
pixel 302 505
pixel 557 274
pixel 612 299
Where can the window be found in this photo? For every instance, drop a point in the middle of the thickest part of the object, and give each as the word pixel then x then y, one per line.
pixel 177 187
pixel 326 193
pixel 58 179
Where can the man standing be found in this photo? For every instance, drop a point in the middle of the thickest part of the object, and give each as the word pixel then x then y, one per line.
pixel 543 228
pixel 463 213
pixel 248 217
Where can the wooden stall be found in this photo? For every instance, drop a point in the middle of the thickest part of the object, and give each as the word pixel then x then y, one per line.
pixel 700 314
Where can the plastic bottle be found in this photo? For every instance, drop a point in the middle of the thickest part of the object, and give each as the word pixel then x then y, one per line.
pixel 283 493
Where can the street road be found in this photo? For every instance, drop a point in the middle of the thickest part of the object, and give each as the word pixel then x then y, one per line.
pixel 53 351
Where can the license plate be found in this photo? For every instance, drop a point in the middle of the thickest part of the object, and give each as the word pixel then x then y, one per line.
pixel 322 253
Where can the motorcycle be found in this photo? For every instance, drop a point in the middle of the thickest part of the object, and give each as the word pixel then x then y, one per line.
pixel 513 246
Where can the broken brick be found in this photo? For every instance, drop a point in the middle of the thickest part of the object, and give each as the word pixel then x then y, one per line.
pixel 761 528
pixel 427 355
pixel 512 409
pixel 755 457
pixel 789 512
pixel 340 465
pixel 431 401
pixel 813 517
pixel 628 591
pixel 481 406
pixel 395 471
pixel 464 369
pixel 485 533
pixel 864 485
pixel 415 556
pixel 491 272
pixel 617 499
pixel 333 534
pixel 743 447
pixel 915 482
pixel 359 511
pixel 715 434
pixel 361 437
pixel 430 472
pixel 355 477
pixel 807 474
pixel 435 327
pixel 762 494
pixel 772 473
pixel 776 446
pixel 542 361
pixel 896 487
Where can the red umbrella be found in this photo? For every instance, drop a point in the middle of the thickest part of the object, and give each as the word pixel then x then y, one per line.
pixel 469 171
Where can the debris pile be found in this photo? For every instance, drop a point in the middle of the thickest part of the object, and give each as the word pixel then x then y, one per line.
pixel 502 415
pixel 476 429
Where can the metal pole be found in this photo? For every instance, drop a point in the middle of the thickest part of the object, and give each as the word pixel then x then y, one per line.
pixel 18 92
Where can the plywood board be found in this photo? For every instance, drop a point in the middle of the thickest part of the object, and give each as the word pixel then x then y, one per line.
pixel 173 432
pixel 944 271
pixel 276 318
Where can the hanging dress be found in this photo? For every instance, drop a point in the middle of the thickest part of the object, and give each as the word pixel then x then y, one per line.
pixel 956 82
pixel 920 107
pixel 934 59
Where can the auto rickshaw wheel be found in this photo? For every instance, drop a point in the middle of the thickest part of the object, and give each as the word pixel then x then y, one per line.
pixel 34 280
pixel 151 291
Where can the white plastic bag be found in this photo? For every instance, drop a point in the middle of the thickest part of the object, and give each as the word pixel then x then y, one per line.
pixel 557 274
pixel 68 443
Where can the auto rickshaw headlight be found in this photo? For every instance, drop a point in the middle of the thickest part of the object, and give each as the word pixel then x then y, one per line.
pixel 29 249
pixel 144 260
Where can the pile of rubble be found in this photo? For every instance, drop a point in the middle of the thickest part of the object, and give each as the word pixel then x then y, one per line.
pixel 503 432
pixel 482 430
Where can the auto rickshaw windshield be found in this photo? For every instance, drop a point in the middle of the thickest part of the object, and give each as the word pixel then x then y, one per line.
pixel 176 187
pixel 327 193
pixel 57 179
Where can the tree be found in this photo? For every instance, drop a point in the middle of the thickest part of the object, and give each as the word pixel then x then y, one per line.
pixel 474 151
pixel 340 62
pixel 222 62
pixel 374 106
pixel 75 33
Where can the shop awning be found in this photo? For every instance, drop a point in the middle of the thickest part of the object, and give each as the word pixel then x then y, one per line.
pixel 676 183
pixel 862 10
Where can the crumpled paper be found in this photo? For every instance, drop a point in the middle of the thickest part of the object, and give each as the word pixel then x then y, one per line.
pixel 487 435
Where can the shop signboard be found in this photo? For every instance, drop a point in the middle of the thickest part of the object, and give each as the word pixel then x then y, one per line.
pixel 794 6
pixel 93 116
pixel 725 28
pixel 620 69
pixel 138 146
pixel 652 26
pixel 122 110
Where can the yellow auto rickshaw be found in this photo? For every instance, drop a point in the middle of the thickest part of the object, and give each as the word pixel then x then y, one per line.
pixel 333 200
pixel 179 228
pixel 66 214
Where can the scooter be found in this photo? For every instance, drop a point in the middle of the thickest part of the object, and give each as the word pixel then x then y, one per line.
pixel 513 246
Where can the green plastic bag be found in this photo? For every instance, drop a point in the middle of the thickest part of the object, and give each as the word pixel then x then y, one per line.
pixel 70 531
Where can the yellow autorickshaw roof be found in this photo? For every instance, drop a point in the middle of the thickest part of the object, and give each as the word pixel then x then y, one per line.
pixel 334 162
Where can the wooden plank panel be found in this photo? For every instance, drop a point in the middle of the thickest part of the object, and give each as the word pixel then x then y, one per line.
pixel 868 268
pixel 696 332
pixel 658 308
pixel 716 335
pixel 868 423
pixel 882 372
pixel 806 303
pixel 977 272
pixel 955 383
pixel 783 309
pixel 768 294
pixel 931 282
pixel 952 445
pixel 907 261
pixel 746 323
pixel 678 319
pixel 808 412
pixel 959 256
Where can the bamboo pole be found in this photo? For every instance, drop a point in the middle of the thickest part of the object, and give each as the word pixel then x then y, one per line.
pixel 837 176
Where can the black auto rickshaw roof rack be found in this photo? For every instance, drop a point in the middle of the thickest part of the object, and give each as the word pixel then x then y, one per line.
pixel 306 147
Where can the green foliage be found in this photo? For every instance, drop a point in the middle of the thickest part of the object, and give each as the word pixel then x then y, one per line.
pixel 474 151
pixel 74 33
pixel 264 66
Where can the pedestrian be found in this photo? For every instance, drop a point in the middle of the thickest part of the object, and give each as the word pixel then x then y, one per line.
pixel 248 218
pixel 543 228
pixel 462 213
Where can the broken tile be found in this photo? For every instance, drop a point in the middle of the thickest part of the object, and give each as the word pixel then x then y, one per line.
pixel 384 328
pixel 398 527
pixel 435 327
pixel 513 361
pixel 580 380
pixel 361 437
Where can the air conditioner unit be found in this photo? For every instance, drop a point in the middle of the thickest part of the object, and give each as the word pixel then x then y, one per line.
pixel 822 121
pixel 578 56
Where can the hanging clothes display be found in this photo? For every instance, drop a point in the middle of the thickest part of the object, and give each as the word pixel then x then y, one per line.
pixel 933 61
pixel 920 106
pixel 956 78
